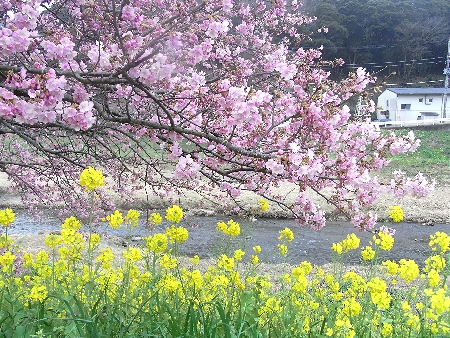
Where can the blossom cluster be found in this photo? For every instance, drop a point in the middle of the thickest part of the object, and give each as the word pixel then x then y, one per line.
pixel 210 103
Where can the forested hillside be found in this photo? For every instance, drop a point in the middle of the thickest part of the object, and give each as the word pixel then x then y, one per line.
pixel 385 36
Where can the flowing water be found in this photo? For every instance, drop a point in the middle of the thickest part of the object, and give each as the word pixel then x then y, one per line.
pixel 411 240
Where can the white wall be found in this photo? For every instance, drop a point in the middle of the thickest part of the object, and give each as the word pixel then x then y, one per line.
pixel 386 101
pixel 396 113
pixel 418 107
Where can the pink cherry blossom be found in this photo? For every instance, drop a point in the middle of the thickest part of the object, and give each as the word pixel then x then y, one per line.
pixel 179 96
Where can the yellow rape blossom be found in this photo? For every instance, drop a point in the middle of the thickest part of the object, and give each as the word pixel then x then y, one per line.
pixel 436 262
pixel 106 257
pixel 351 307
pixel 38 293
pixel 177 234
pixel 337 247
pixel 384 241
pixel 157 243
pixel 53 240
pixel 286 234
pixel 5 241
pixel 94 240
pixel 263 204
pixel 132 254
pixel 386 330
pixel 283 249
pixel 174 214
pixel 351 242
pixel 238 254
pixel 225 262
pixel 271 306
pixel 195 260
pixel 155 218
pixel 7 216
pixel 115 220
pixel 167 262
pixel 433 278
pixel 132 218
pixel 231 228
pixel 254 259
pixel 91 179
pixel 396 213
pixel 71 223
pixel 6 260
pixel 368 253
pixel 440 240
pixel 408 270
pixel 439 300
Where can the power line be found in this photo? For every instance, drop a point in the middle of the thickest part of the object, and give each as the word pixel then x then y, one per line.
pixel 398 63
pixel 412 83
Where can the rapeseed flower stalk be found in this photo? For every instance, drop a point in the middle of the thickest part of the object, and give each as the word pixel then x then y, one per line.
pixel 285 236
pixel 396 213
pixel 91 179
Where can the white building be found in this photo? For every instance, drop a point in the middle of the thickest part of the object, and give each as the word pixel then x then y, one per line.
pixel 406 104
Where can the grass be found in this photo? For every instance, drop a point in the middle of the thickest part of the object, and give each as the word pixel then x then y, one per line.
pixel 432 158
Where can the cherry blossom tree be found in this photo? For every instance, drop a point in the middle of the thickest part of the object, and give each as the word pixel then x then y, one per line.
pixel 172 95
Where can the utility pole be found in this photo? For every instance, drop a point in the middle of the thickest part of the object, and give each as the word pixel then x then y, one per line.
pixel 447 73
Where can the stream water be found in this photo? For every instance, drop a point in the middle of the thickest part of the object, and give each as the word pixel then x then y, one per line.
pixel 411 240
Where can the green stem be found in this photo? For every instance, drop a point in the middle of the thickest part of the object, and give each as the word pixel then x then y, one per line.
pixel 90 250
pixel 6 238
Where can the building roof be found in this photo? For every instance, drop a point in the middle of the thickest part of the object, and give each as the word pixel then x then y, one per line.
pixel 414 91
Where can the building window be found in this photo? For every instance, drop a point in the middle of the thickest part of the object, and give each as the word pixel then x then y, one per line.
pixel 430 100
pixel 405 106
pixel 421 100
pixel 387 103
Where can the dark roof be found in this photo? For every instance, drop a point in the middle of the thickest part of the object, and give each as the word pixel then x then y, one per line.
pixel 412 91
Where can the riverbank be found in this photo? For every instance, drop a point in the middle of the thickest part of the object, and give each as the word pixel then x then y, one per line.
pixel 411 239
pixel 435 208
